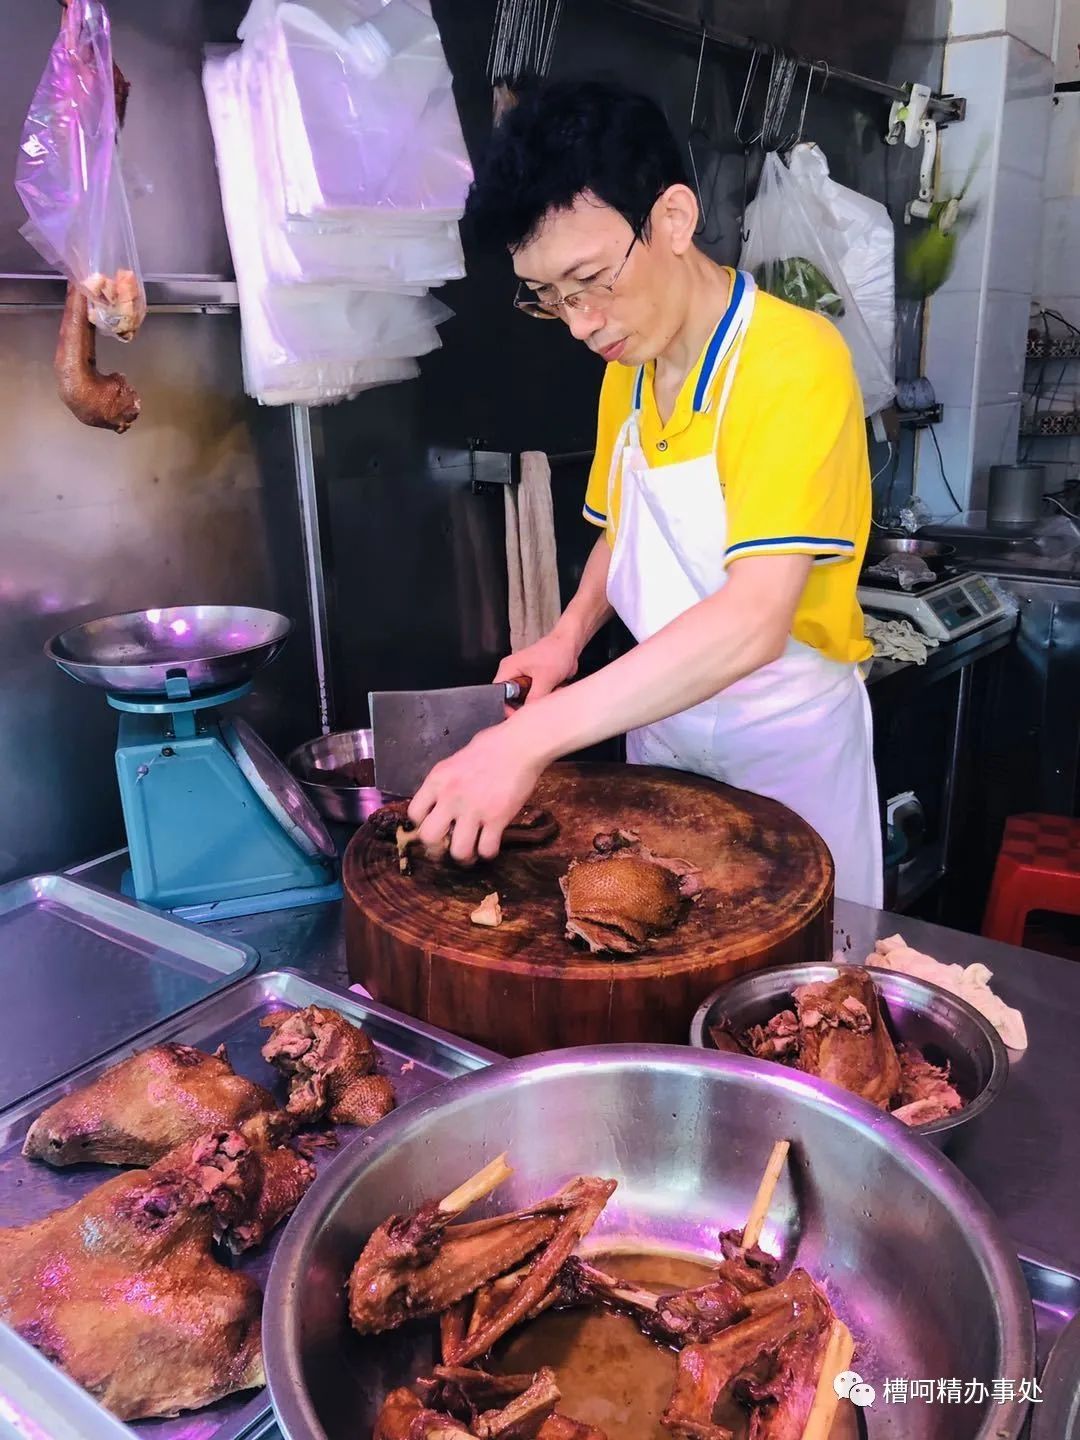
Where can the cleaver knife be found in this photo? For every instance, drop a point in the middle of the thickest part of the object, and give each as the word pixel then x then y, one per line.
pixel 414 729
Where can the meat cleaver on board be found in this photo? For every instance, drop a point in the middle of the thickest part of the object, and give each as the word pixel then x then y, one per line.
pixel 414 729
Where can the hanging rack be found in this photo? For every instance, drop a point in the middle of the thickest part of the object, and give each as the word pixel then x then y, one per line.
pixel 943 109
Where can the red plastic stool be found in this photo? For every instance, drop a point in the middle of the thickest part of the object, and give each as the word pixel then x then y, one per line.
pixel 1038 868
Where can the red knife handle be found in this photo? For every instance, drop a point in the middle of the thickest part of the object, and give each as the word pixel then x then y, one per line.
pixel 517 690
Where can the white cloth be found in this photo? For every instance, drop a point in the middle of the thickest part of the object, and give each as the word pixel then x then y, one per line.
pixel 532 573
pixel 797 730
pixel 970 982
pixel 898 640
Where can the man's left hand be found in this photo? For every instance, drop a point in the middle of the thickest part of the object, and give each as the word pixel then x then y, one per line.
pixel 478 792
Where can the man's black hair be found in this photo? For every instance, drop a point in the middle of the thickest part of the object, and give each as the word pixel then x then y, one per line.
pixel 563 139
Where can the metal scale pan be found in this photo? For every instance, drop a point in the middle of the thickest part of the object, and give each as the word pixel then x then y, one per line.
pixel 216 647
pixel 197 844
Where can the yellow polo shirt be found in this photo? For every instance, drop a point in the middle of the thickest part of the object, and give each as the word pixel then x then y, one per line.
pixel 791 454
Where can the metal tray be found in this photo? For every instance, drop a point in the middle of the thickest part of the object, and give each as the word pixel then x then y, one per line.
pixel 415 1056
pixel 82 970
pixel 1057 1416
pixel 1055 1296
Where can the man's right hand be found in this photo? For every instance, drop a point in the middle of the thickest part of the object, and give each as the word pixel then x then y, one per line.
pixel 548 663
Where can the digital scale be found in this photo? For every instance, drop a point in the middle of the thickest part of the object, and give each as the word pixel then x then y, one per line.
pixel 216 825
pixel 943 609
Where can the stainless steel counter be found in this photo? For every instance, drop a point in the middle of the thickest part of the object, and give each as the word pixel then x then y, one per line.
pixel 1025 1158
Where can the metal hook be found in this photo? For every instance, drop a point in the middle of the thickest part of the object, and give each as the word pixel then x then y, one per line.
pixel 690 138
pixel 751 74
pixel 797 134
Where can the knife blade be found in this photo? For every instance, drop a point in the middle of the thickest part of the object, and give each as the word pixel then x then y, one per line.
pixel 414 729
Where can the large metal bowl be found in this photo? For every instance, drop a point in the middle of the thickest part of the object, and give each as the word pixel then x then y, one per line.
pixel 215 646
pixel 331 770
pixel 943 1026
pixel 911 1255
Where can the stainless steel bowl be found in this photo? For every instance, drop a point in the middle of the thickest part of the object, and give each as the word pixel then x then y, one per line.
pixel 215 646
pixel 912 1257
pixel 944 1027
pixel 320 764
pixel 935 553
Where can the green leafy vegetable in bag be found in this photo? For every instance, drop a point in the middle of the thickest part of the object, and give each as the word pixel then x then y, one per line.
pixel 800 282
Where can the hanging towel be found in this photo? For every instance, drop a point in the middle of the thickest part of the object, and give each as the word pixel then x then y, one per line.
pixel 531 569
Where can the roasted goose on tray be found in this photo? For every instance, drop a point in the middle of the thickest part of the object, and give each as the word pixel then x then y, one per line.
pixel 837 1032
pixel 136 1112
pixel 771 1347
pixel 139 1110
pixel 330 1065
pixel 122 1289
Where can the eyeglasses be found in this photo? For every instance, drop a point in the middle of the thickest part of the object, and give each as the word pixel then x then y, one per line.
pixel 547 304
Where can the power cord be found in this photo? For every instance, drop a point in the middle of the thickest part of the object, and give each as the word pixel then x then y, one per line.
pixel 941 466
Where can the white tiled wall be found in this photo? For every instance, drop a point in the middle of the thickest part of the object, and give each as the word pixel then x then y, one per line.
pixel 1059 267
pixel 998 56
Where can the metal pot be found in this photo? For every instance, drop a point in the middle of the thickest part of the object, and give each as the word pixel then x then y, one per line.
pixel 913 1259
pixel 330 770
pixel 1014 494
pixel 942 1025
pixel 937 555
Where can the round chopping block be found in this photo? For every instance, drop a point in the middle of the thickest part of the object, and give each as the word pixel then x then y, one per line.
pixel 523 987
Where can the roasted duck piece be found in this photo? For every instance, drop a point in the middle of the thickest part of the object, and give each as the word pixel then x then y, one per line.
pixel 675 1319
pixel 136 1112
pixel 780 1039
pixel 252 1181
pixel 457 1401
pixel 770 1363
pixel 619 897
pixel 925 1092
pixel 122 1288
pixel 330 1064
pixel 530 826
pixel 106 402
pixel 843 1037
pixel 420 1265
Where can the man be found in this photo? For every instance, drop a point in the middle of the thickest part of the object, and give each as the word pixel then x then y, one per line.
pixel 730 482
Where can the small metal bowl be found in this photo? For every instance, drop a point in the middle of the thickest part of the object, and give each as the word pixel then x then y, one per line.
pixel 944 1027
pixel 337 772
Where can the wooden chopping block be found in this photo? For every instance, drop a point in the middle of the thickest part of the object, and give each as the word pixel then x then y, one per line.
pixel 523 988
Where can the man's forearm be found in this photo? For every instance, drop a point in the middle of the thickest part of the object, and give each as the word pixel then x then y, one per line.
pixel 701 652
pixel 589 609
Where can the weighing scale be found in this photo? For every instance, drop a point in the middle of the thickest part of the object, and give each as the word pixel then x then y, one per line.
pixel 944 609
pixel 216 825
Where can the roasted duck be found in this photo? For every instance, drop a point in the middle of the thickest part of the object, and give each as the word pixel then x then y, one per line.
pixel 843 1038
pixel 123 1291
pixel 623 894
pixel 753 1353
pixel 837 1032
pixel 769 1363
pixel 330 1064
pixel 138 1111
pixel 421 1264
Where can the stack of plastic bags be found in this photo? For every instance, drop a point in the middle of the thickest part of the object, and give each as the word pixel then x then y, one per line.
pixel 343 176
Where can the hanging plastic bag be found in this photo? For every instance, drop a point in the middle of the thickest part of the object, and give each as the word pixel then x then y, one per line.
pixel 865 243
pixel 795 251
pixel 68 173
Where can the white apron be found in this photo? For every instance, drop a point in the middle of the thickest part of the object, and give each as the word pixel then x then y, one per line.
pixel 799 729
